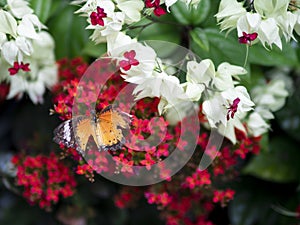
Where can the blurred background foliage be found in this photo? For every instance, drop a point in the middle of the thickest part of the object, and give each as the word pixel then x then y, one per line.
pixel 269 185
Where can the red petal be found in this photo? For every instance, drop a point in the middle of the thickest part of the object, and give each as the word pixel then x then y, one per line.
pixel 243 40
pixel 130 55
pixel 125 65
pixel 252 36
pixel 159 11
pixel 134 62
pixel 13 71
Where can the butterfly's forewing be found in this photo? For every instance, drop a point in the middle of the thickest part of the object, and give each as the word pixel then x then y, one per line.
pixel 110 123
pixel 64 134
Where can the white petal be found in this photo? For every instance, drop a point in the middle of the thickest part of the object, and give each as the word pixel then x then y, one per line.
pixel 201 72
pixel 19 8
pixel 132 9
pixel 8 23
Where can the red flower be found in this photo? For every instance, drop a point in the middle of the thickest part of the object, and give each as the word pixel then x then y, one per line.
pixel 233 108
pixel 247 38
pixel 129 61
pixel 15 69
pixel 97 17
pixel 223 196
pixel 158 10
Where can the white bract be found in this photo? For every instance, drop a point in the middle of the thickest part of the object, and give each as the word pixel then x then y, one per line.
pixel 257 125
pixel 132 9
pixel 19 8
pixel 198 77
pixel 271 95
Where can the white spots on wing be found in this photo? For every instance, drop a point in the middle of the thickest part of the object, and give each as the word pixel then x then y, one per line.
pixel 67 131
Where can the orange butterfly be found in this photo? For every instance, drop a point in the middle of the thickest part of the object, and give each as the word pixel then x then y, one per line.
pixel 105 127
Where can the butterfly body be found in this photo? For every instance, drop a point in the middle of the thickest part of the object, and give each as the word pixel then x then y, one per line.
pixel 105 127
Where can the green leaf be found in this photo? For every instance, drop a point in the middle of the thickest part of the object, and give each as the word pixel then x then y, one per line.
pixel 93 50
pixel 41 8
pixel 279 164
pixel 69 32
pixel 190 15
pixel 162 32
pixel 275 57
pixel 221 48
pixel 199 37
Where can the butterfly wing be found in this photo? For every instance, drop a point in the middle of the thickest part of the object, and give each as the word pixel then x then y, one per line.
pixel 64 134
pixel 85 128
pixel 75 133
pixel 110 123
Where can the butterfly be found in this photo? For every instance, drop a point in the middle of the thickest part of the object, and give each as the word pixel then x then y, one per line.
pixel 105 127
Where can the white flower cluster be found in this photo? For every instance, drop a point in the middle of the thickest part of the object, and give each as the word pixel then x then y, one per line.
pixel 268 97
pixel 269 19
pixel 107 17
pixel 225 102
pixel 27 58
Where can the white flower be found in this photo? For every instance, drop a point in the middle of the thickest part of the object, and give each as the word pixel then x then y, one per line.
pixel 297 25
pixel 270 96
pixel 268 32
pixel 257 125
pixel 200 73
pixel 223 78
pixel 112 22
pixel 3 39
pixel 132 9
pixel 29 26
pixel 11 52
pixel 8 23
pixel 116 41
pixel 163 86
pixel 229 13
pixel 264 112
pixel 272 8
pixel 19 8
pixel 229 130
pixel 248 23
pixel 178 112
pixel 224 106
pixel 42 74
pixel 146 57
pixel 198 77
pixel 287 22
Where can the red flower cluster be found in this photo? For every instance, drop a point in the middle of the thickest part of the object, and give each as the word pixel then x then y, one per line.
pixel 189 196
pixel 223 196
pixel 44 178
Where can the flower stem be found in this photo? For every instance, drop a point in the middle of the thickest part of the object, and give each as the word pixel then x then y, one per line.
pixel 247 54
